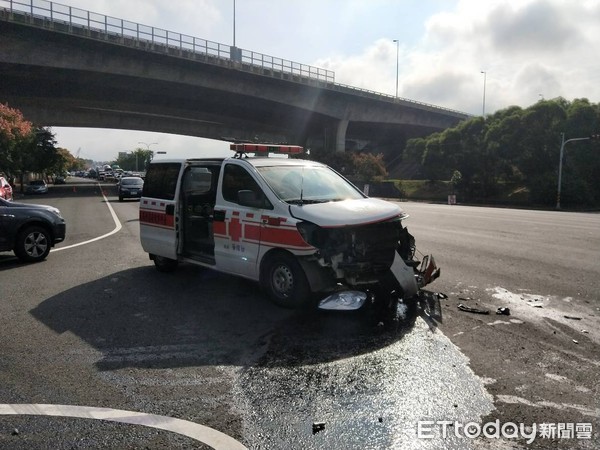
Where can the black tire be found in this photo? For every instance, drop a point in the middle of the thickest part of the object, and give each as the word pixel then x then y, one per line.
pixel 33 244
pixel 163 264
pixel 285 282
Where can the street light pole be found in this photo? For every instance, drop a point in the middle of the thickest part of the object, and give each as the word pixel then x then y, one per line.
pixel 484 82
pixel 397 63
pixel 560 163
pixel 234 23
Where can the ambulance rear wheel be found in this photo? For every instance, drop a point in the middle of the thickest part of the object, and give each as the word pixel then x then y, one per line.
pixel 285 282
pixel 163 264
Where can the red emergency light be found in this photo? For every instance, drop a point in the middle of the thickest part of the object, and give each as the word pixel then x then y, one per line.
pixel 265 149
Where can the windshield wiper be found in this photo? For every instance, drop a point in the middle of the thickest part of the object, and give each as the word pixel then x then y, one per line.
pixel 304 201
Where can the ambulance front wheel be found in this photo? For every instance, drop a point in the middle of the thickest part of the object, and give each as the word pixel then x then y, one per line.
pixel 163 264
pixel 284 281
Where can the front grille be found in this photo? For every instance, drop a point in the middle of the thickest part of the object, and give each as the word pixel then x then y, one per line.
pixel 367 247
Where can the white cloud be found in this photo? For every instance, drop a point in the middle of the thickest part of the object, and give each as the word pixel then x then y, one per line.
pixel 526 48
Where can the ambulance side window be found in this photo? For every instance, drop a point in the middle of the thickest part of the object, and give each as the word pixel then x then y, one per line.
pixel 161 180
pixel 235 179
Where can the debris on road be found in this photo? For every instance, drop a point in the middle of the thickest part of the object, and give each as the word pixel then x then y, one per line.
pixel 576 341
pixel 472 310
pixel 503 311
pixel 572 317
pixel 344 301
pixel 440 295
pixel 318 426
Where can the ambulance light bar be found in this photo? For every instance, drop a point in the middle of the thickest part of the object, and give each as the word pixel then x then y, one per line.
pixel 267 148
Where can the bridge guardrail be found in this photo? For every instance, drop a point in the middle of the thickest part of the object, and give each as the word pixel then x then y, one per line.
pixel 76 21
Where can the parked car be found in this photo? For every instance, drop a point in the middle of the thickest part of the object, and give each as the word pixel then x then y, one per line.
pixel 30 230
pixel 6 191
pixel 60 180
pixel 36 187
pixel 130 187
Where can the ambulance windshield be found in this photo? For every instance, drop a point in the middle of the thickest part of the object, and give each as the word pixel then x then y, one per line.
pixel 308 184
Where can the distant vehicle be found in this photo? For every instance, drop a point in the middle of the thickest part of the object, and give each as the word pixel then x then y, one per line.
pixel 130 187
pixel 30 230
pixel 6 191
pixel 36 187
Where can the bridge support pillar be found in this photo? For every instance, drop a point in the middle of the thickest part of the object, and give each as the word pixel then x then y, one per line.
pixel 340 136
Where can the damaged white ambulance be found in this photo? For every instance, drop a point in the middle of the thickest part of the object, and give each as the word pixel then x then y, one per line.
pixel 297 227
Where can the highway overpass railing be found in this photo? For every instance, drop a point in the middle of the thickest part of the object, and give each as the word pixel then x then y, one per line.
pixel 67 19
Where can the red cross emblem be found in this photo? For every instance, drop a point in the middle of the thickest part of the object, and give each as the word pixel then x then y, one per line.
pixel 235 229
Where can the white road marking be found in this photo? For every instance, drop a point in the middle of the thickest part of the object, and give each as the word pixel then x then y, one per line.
pixel 593 412
pixel 204 434
pixel 118 226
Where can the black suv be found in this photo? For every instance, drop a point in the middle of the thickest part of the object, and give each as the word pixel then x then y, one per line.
pixel 30 230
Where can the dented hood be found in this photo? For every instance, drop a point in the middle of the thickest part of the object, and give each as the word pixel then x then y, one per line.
pixel 347 212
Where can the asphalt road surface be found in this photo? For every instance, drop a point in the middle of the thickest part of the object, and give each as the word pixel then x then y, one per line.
pixel 99 350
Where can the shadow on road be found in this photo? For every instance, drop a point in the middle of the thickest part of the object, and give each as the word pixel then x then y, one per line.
pixel 142 318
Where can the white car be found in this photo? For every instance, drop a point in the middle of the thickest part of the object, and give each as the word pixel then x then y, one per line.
pixel 36 187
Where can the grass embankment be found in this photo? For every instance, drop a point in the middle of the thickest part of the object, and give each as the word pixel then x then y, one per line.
pixel 438 191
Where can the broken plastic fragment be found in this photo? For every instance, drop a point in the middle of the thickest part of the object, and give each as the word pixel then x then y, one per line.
pixel 343 301
pixel 472 310
pixel 318 426
pixel 401 310
pixel 503 311
pixel 572 317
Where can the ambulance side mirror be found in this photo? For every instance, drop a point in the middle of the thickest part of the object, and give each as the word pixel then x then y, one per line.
pixel 249 198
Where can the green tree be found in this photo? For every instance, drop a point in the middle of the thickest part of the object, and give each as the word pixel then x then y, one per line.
pixel 581 169
pixel 342 162
pixel 540 147
pixel 414 151
pixel 369 167
pixel 137 160
pixel 43 154
pixel 434 161
pixel 466 158
pixel 516 145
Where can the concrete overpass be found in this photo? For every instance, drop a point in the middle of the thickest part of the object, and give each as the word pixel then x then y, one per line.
pixel 63 66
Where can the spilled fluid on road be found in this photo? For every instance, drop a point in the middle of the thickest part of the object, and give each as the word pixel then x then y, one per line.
pixel 340 381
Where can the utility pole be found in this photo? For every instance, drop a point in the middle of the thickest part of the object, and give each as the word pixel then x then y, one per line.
pixel 397 63
pixel 484 82
pixel 560 162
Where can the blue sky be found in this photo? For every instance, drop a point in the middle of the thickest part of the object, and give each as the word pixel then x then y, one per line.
pixel 529 49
